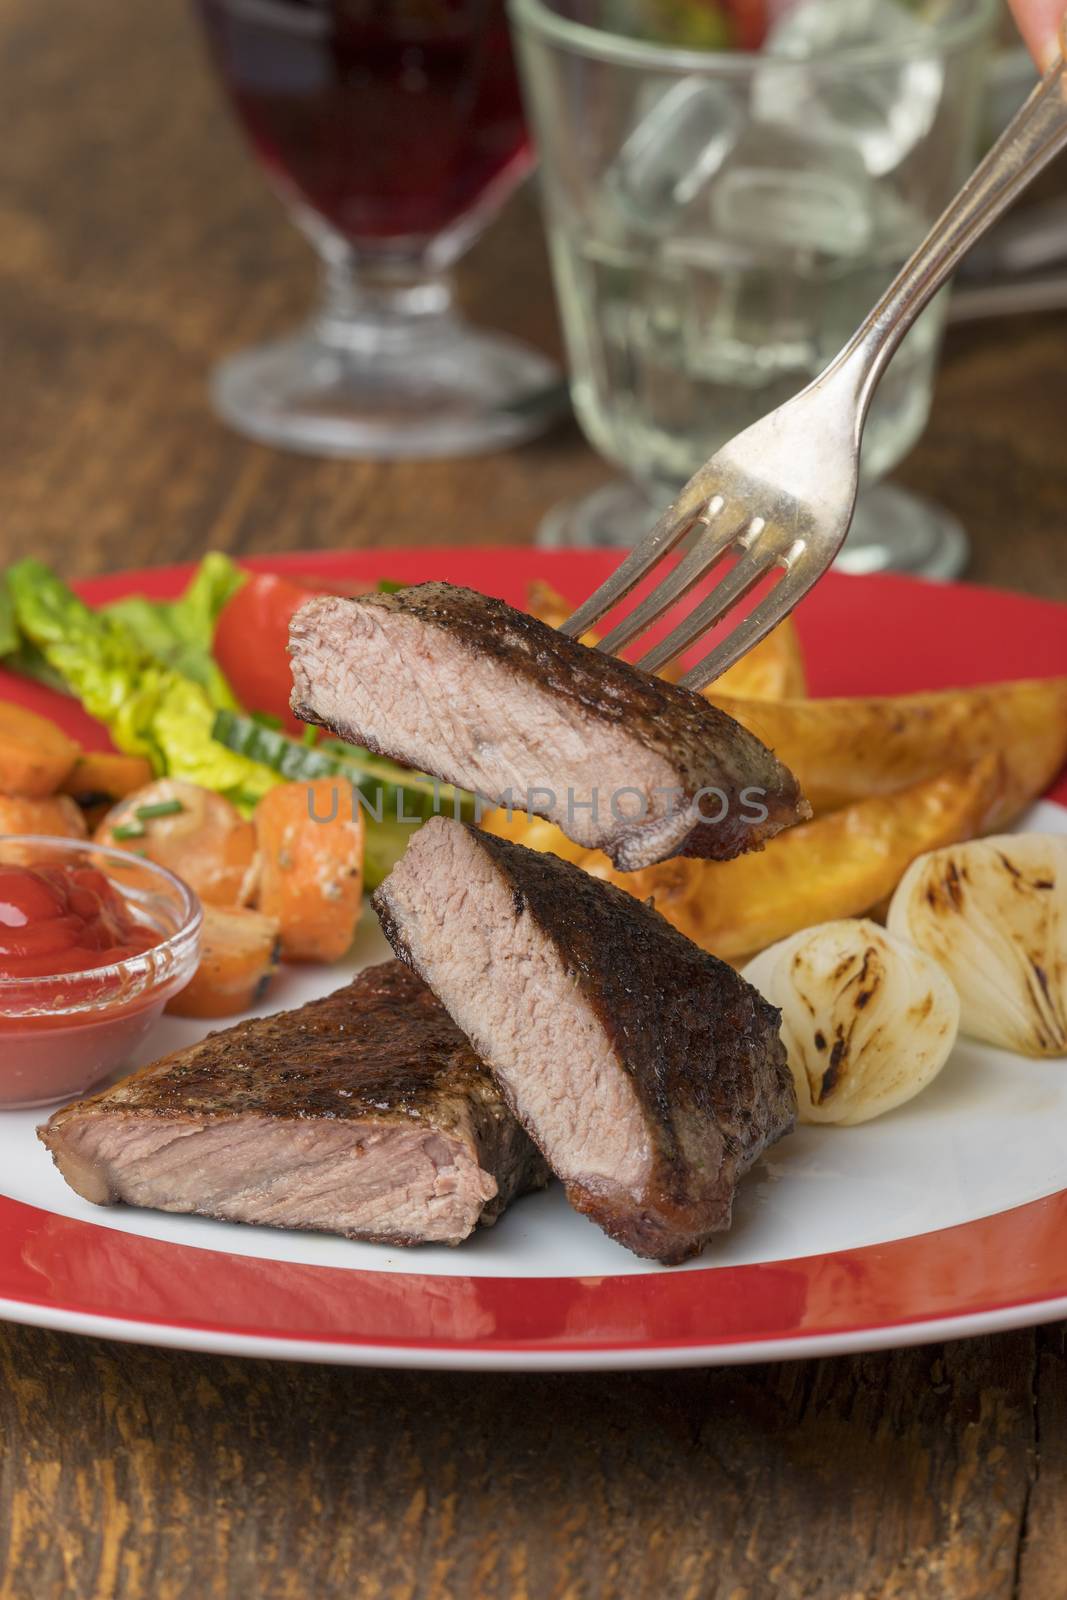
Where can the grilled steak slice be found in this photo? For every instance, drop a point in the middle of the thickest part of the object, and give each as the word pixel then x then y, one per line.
pixel 365 1114
pixel 464 687
pixel 648 1073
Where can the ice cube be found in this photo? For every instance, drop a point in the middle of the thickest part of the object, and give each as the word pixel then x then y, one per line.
pixel 679 141
pixel 793 198
pixel 788 222
pixel 884 108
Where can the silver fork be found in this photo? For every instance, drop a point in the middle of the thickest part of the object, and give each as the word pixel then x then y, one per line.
pixel 781 494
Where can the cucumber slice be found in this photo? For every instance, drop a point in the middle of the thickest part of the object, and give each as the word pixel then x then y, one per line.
pixel 393 799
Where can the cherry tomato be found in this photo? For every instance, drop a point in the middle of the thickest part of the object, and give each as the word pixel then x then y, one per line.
pixel 251 639
pixel 750 22
pixel 252 636
pixel 349 588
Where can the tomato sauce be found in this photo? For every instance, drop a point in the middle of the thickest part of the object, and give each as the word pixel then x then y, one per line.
pixel 64 918
pixel 83 980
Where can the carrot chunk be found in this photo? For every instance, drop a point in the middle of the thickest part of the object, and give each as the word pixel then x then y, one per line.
pixel 311 867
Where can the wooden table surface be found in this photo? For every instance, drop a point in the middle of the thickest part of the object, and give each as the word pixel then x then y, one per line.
pixel 136 244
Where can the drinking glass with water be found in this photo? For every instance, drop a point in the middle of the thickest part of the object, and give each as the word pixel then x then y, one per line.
pixel 721 219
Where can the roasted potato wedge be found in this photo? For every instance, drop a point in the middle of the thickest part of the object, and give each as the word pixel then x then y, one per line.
pixel 191 831
pixel 238 957
pixel 847 750
pixel 535 833
pixel 106 773
pixel 54 813
pixel 35 755
pixel 774 670
pixel 548 605
pixel 837 866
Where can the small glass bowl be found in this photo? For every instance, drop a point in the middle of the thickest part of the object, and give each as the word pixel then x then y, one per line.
pixel 61 1036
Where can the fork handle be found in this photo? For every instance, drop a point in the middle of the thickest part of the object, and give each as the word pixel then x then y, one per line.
pixel 1036 134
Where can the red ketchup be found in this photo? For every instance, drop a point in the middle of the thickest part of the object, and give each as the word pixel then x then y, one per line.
pixel 83 980
pixel 64 918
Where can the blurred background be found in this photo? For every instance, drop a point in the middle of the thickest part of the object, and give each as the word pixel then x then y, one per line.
pixel 240 221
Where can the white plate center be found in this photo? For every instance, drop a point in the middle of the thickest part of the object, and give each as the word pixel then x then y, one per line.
pixel 989 1134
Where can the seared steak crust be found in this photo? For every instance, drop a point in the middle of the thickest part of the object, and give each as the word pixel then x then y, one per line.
pixel 699 1047
pixel 529 708
pixel 380 1046
pixel 379 1057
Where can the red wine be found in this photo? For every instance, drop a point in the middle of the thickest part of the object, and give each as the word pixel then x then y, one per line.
pixel 389 118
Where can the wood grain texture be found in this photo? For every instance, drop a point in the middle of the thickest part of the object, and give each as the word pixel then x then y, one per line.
pixel 137 244
pixel 902 1476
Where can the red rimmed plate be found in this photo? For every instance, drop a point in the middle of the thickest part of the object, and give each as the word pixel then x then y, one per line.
pixel 945 1218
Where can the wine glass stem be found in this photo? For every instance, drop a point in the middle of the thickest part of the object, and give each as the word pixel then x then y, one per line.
pixel 396 302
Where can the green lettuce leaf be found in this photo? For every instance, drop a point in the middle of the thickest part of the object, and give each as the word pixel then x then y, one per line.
pixel 181 725
pixel 17 654
pixel 216 580
pixel 28 662
pixel 179 633
pixel 98 659
pixel 149 708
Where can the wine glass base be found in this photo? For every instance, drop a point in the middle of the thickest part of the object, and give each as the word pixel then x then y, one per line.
pixel 613 517
pixel 892 530
pixel 461 395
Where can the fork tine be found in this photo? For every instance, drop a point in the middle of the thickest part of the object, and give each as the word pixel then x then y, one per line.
pixel 668 532
pixel 708 550
pixel 753 565
pixel 772 610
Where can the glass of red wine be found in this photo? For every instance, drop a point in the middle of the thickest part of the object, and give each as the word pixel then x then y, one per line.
pixel 393 130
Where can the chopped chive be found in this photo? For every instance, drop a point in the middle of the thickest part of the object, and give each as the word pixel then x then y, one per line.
pixel 158 808
pixel 128 830
pixel 390 586
pixel 309 737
